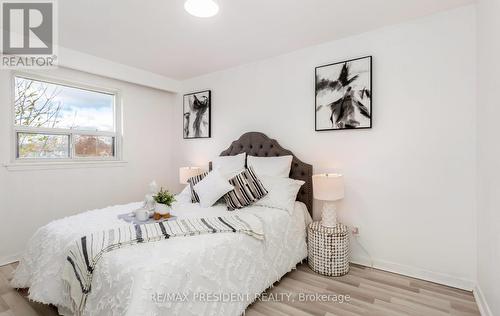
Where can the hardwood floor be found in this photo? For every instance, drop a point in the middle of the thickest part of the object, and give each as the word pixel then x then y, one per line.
pixel 371 292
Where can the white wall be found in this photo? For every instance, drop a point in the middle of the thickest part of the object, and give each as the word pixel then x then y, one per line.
pixel 410 181
pixel 30 199
pixel 488 152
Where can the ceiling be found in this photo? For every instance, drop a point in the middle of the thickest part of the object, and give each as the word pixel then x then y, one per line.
pixel 160 37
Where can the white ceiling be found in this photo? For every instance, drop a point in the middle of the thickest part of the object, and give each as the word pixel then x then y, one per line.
pixel 160 37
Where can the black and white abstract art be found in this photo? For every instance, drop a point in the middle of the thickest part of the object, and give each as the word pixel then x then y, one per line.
pixel 344 95
pixel 196 115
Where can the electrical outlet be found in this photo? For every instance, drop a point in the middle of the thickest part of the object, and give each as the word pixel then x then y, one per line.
pixel 355 230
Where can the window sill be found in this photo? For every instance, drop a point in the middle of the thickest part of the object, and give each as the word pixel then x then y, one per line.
pixel 26 166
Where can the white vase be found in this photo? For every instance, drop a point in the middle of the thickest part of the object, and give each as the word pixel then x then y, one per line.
pixel 162 209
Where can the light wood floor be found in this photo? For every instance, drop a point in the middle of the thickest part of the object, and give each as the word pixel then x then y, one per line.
pixel 372 292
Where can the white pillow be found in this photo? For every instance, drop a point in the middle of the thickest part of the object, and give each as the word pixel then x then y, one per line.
pixel 185 196
pixel 211 188
pixel 229 166
pixel 282 193
pixel 271 166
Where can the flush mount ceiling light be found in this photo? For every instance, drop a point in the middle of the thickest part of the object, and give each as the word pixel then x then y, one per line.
pixel 201 8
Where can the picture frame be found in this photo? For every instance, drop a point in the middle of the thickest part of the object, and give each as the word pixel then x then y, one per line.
pixel 196 115
pixel 343 95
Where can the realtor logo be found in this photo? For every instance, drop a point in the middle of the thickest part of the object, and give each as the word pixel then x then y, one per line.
pixel 28 34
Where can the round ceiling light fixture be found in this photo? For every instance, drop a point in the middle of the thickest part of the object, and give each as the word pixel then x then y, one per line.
pixel 201 8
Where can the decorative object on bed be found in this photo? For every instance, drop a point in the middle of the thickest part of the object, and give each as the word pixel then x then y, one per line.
pixel 85 253
pixel 196 115
pixel 271 166
pixel 247 190
pixel 282 192
pixel 164 200
pixel 328 187
pixel 328 249
pixel 188 172
pixel 230 166
pixel 344 95
pixel 211 188
pixel 259 145
pixel 149 201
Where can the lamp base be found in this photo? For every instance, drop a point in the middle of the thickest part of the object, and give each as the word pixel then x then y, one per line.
pixel 329 215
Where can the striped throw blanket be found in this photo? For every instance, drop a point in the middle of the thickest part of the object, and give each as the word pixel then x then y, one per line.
pixel 85 253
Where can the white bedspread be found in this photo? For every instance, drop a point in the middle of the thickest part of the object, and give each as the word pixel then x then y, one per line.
pixel 135 280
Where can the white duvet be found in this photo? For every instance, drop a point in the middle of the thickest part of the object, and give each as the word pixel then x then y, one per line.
pixel 179 276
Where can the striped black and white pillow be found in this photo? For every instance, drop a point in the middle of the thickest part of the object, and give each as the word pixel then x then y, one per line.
pixel 192 182
pixel 247 190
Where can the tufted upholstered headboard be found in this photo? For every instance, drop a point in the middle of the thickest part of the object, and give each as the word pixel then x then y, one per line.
pixel 258 144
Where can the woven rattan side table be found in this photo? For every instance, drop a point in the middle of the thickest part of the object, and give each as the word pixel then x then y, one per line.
pixel 328 249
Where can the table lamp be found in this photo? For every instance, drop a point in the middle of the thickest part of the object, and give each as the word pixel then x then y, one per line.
pixel 188 172
pixel 328 187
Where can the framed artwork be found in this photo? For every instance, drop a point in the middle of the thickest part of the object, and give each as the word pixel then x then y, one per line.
pixel 196 115
pixel 344 95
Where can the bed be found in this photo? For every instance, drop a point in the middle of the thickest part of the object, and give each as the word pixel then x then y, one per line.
pixel 216 274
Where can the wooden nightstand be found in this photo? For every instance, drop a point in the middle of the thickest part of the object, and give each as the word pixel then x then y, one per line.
pixel 328 249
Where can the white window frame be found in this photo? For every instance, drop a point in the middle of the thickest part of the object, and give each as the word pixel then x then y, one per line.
pixel 72 160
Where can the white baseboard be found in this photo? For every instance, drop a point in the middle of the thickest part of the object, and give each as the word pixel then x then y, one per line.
pixel 418 273
pixel 9 259
pixel 484 309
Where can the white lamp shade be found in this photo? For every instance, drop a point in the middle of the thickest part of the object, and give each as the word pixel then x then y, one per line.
pixel 188 172
pixel 328 187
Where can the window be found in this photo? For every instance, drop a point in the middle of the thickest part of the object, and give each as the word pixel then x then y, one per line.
pixel 59 121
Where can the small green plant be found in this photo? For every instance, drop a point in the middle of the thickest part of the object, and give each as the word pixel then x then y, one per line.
pixel 164 197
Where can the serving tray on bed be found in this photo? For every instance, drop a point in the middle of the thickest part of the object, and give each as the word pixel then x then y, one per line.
pixel 130 218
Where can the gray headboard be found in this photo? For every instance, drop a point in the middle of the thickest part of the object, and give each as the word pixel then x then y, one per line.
pixel 258 144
